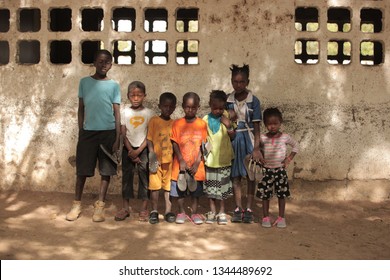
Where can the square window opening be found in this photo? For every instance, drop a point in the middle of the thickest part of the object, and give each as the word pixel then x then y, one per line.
pixel 60 19
pixel 4 20
pixel 339 20
pixel 156 52
pixel 92 19
pixel 29 20
pixel 124 52
pixel 187 52
pixel 187 20
pixel 60 52
pixel 307 51
pixel 29 52
pixel 370 20
pixel 339 52
pixel 4 52
pixel 306 19
pixel 156 20
pixel 88 50
pixel 371 53
pixel 123 19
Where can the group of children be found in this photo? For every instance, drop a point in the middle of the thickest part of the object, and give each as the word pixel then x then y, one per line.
pixel 188 156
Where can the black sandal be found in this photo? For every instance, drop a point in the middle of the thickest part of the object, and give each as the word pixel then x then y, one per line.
pixel 153 217
pixel 170 217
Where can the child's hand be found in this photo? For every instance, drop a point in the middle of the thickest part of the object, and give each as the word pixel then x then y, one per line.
pixel 136 160
pixel 225 121
pixel 115 147
pixel 232 115
pixel 286 162
pixel 258 156
pixel 183 165
pixel 194 168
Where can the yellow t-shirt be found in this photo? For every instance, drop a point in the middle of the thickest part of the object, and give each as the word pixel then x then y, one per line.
pixel 159 132
pixel 221 154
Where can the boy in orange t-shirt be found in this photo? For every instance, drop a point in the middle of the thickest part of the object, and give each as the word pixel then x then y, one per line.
pixel 161 156
pixel 188 172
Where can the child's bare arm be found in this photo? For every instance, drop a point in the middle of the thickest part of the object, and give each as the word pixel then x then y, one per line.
pixel 126 141
pixel 80 113
pixel 139 150
pixel 194 168
pixel 150 146
pixel 176 150
pixel 288 159
pixel 256 154
pixel 115 146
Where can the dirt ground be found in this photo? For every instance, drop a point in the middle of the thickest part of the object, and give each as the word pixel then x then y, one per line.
pixel 33 226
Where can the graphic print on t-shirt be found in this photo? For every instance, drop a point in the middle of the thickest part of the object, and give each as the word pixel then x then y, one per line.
pixel 136 121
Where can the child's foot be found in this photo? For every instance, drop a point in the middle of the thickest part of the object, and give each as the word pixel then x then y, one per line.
pixel 98 214
pixel 170 217
pixel 122 215
pixel 221 218
pixel 180 218
pixel 280 222
pixel 153 217
pixel 237 215
pixel 143 216
pixel 75 211
pixel 248 216
pixel 210 217
pixel 266 222
pixel 196 219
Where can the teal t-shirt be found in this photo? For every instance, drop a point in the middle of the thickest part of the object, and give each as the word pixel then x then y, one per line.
pixel 98 97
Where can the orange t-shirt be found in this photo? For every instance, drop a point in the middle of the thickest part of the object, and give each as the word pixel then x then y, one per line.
pixel 159 132
pixel 189 137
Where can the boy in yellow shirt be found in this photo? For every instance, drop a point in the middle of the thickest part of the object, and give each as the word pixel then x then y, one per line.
pixel 161 156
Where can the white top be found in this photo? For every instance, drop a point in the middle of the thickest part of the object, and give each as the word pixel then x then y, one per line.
pixel 136 122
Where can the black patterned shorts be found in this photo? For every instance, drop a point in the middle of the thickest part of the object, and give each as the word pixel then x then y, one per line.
pixel 277 177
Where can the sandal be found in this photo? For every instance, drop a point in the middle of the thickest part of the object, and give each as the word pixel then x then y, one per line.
pixel 153 217
pixel 250 166
pixel 153 162
pixel 122 215
pixel 143 216
pixel 191 182
pixel 170 217
pixel 181 181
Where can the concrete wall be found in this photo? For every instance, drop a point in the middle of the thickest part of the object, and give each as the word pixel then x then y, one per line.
pixel 339 113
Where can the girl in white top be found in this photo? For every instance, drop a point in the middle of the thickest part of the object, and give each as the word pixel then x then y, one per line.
pixel 274 144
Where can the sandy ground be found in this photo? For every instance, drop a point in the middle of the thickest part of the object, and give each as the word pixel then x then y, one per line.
pixel 33 226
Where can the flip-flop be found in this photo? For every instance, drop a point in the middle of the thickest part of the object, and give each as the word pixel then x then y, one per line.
pixel 191 182
pixel 206 149
pixel 250 166
pixel 153 162
pixel 181 181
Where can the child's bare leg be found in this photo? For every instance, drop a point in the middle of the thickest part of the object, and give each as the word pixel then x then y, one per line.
pixel 80 182
pixel 250 193
pixel 282 206
pixel 180 202
pixel 126 204
pixel 222 206
pixel 154 199
pixel 145 203
pixel 237 191
pixel 105 181
pixel 265 208
pixel 168 204
pixel 212 205
pixel 194 204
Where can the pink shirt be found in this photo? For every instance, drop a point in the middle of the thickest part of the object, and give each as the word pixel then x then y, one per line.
pixel 275 149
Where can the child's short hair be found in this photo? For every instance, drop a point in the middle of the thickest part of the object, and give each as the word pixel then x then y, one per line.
pixel 190 95
pixel 99 52
pixel 218 95
pixel 167 96
pixel 137 84
pixel 272 112
pixel 235 69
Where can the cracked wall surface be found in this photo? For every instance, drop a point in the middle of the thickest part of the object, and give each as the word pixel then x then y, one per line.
pixel 339 113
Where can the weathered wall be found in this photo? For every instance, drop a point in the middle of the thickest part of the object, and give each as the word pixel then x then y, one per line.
pixel 339 113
